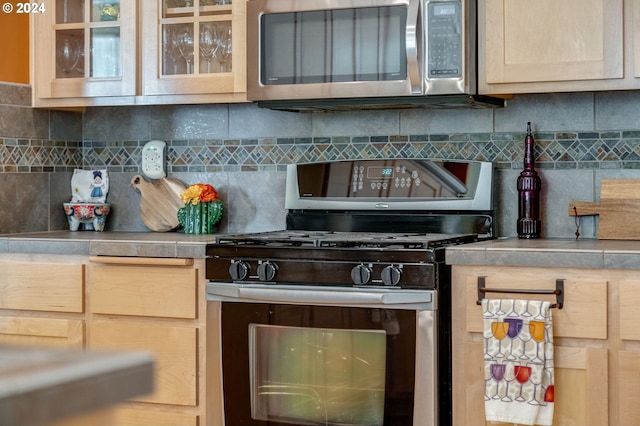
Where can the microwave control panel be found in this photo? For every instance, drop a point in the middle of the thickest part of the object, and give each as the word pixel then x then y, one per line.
pixel 444 49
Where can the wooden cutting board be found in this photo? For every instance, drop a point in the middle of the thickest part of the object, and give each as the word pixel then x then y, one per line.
pixel 618 209
pixel 160 202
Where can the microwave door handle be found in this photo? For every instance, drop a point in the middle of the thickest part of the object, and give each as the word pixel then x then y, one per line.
pixel 411 43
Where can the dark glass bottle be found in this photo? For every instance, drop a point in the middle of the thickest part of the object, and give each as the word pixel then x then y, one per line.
pixel 529 184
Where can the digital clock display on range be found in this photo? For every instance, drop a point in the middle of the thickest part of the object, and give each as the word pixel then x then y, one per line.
pixel 445 9
pixel 379 172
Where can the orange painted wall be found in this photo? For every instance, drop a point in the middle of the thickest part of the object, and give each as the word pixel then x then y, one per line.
pixel 14 50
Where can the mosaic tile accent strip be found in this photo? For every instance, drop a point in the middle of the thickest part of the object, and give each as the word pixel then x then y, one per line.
pixel 39 155
pixel 563 150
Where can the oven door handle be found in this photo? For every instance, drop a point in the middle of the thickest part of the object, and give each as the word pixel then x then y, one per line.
pixel 319 295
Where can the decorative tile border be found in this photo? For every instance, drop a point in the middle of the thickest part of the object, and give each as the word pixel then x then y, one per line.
pixel 565 150
pixel 38 155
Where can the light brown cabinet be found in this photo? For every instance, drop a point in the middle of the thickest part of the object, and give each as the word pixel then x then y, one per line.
pixel 201 48
pixel 628 355
pixel 588 369
pixel 55 332
pixel 549 46
pixel 111 53
pixel 42 300
pixel 175 350
pixel 118 303
pixel 154 305
pixel 83 51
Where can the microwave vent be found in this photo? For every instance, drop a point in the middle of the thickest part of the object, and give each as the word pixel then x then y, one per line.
pixel 426 102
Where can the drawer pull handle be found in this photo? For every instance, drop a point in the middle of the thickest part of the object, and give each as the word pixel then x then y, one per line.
pixel 559 291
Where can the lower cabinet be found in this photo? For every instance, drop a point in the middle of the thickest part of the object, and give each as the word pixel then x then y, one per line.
pixel 50 332
pixel 42 300
pixel 596 341
pixel 154 305
pixel 175 351
pixel 628 357
pixel 117 303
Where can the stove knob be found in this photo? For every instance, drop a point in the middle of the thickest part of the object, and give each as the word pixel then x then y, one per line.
pixel 267 271
pixel 238 270
pixel 361 274
pixel 391 275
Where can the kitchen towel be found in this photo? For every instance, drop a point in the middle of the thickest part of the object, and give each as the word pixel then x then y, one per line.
pixel 518 361
pixel 89 186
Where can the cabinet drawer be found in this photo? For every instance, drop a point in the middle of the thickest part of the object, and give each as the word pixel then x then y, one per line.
pixel 42 332
pixel 174 349
pixel 584 314
pixel 155 291
pixel 42 286
pixel 135 417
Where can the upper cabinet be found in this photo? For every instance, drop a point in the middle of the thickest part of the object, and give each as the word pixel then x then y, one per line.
pixel 83 50
pixel 198 45
pixel 551 46
pixel 124 52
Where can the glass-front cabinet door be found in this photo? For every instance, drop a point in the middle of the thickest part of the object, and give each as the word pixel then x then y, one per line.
pixel 85 48
pixel 195 47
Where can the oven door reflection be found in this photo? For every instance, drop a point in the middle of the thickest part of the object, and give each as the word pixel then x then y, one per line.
pixel 317 376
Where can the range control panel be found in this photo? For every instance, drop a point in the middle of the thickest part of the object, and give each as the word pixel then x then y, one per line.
pixel 383 179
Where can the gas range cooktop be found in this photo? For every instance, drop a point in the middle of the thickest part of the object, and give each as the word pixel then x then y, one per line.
pixel 400 260
pixel 331 239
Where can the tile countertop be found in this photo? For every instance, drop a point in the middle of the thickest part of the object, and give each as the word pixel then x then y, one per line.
pixel 139 244
pixel 548 252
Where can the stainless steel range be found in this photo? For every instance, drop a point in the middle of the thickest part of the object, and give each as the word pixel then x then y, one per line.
pixel 344 317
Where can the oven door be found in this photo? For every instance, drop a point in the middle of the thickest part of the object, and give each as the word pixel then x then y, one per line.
pixel 325 356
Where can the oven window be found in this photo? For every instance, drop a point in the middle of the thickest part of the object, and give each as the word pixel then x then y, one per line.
pixel 317 375
pixel 317 365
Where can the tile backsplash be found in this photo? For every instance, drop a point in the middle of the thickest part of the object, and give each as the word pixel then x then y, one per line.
pixel 243 151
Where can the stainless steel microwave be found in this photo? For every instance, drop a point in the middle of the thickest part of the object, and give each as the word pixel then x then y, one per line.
pixel 327 53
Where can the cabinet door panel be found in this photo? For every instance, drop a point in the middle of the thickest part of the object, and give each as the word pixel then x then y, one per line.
pixel 174 349
pixel 42 287
pixel 629 312
pixel 92 53
pixel 42 332
pixel 167 70
pixel 580 369
pixel 581 386
pixel 629 387
pixel 474 386
pixel 548 40
pixel 584 313
pixel 635 4
pixel 144 291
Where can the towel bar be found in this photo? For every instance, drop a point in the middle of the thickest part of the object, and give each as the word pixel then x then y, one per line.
pixel 559 291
